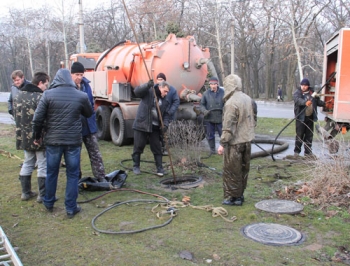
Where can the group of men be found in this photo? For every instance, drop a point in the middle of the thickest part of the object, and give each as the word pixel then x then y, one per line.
pixel 63 115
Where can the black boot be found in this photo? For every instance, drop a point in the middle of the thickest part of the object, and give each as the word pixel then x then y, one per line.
pixel 41 185
pixel 26 184
pixel 159 164
pixel 136 157
pixel 211 143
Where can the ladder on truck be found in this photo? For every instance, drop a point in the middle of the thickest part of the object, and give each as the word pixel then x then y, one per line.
pixel 8 255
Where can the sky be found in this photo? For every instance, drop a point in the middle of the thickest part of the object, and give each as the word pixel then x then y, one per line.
pixel 5 5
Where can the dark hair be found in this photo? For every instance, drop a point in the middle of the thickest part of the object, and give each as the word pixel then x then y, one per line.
pixel 40 76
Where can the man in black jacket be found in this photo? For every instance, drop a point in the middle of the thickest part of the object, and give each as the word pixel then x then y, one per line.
pixel 60 107
pixel 147 122
pixel 305 111
pixel 18 83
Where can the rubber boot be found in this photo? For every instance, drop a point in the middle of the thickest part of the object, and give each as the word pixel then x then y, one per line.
pixel 211 143
pixel 159 164
pixel 26 187
pixel 41 185
pixel 136 159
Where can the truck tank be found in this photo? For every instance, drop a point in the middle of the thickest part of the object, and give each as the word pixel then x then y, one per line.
pixel 122 68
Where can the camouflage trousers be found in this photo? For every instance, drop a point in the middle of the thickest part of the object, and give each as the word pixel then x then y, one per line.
pixel 91 145
pixel 236 169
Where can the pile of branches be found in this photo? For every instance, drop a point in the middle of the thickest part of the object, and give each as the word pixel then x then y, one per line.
pixel 328 181
pixel 185 142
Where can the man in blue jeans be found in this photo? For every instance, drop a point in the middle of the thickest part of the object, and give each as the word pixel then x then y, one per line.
pixel 59 112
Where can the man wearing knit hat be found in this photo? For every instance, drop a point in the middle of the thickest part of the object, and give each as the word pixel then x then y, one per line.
pixel 174 101
pixel 305 111
pixel 89 127
pixel 211 105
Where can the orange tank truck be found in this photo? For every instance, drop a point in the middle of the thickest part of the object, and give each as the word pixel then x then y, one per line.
pixel 120 69
pixel 336 93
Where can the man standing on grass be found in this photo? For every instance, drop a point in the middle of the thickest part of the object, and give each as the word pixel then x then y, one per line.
pixel 24 106
pixel 89 127
pixel 239 120
pixel 60 108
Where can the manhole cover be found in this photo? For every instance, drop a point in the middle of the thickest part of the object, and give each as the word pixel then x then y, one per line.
pixel 273 234
pixel 279 206
pixel 181 182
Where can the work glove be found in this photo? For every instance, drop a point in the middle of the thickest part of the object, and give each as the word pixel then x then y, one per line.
pixel 206 112
pixel 314 95
pixel 10 112
pixel 308 103
pixel 150 83
pixel 165 129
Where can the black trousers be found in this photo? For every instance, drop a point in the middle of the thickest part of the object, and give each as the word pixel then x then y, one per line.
pixel 305 132
pixel 141 137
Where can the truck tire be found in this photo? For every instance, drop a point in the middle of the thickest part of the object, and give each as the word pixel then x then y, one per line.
pixel 103 114
pixel 117 129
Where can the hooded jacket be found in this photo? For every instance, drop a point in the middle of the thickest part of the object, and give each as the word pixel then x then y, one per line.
pixel 239 118
pixel 24 106
pixel 61 107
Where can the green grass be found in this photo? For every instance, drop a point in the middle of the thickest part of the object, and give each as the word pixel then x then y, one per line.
pixel 3 107
pixel 51 239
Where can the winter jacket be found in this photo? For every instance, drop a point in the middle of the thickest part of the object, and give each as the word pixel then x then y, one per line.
pixel 239 115
pixel 210 101
pixel 24 106
pixel 88 124
pixel 300 100
pixel 61 107
pixel 13 93
pixel 174 101
pixel 143 120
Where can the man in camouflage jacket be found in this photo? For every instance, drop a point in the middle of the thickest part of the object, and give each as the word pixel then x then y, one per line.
pixel 25 104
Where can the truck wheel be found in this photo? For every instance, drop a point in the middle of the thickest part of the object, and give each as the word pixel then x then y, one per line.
pixel 117 124
pixel 103 115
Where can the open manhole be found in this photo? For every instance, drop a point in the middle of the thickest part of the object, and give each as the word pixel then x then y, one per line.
pixel 273 234
pixel 279 206
pixel 183 182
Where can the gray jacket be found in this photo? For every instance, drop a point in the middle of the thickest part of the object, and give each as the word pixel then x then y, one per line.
pixel 61 107
pixel 213 102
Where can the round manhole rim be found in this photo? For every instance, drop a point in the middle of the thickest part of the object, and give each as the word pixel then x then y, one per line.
pixel 190 184
pixel 273 205
pixel 301 237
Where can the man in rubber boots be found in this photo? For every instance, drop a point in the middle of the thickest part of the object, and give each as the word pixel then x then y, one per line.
pixel 24 106
pixel 89 126
pixel 305 110
pixel 147 123
pixel 211 105
pixel 239 121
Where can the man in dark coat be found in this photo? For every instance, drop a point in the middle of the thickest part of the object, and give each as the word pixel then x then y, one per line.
pixel 147 123
pixel 211 105
pixel 25 104
pixel 305 111
pixel 89 124
pixel 61 107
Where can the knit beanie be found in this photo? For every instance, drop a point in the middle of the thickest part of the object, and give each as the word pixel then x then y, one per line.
pixel 214 80
pixel 161 76
pixel 77 67
pixel 305 82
